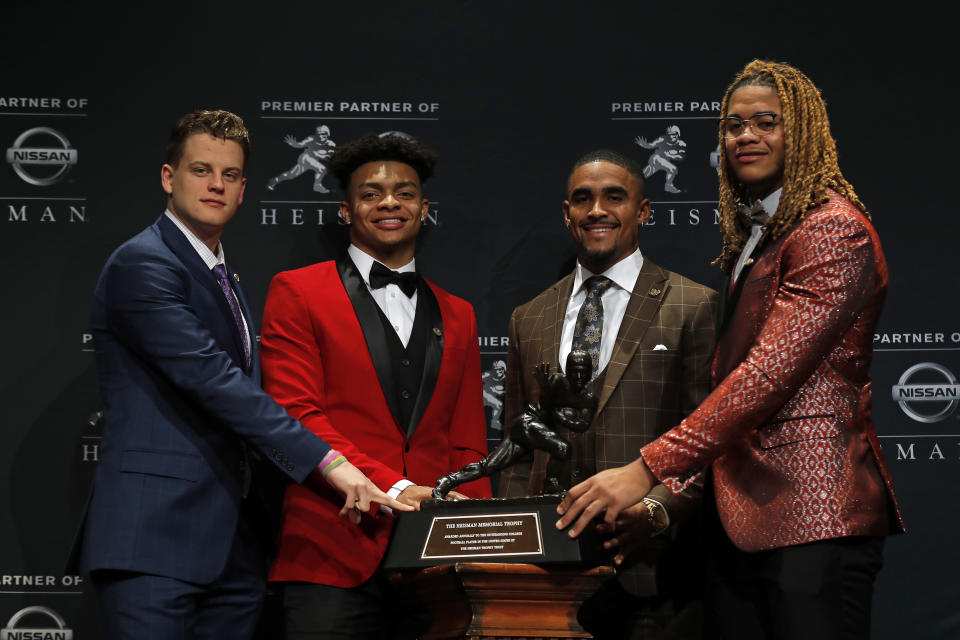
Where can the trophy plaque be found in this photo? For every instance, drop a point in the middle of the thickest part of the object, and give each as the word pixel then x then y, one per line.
pixel 504 530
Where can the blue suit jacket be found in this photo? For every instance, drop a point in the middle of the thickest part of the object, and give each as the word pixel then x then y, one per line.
pixel 178 407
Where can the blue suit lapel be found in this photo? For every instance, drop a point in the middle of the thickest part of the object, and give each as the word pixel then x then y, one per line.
pixel 181 247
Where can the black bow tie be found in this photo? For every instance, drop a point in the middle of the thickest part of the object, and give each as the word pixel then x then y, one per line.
pixel 753 213
pixel 381 276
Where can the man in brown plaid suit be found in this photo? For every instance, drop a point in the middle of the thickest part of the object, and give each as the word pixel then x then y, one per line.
pixel 651 335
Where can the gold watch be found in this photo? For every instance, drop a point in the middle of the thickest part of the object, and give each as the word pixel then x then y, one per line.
pixel 658 519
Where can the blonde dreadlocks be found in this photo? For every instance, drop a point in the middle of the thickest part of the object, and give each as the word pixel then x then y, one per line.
pixel 810 163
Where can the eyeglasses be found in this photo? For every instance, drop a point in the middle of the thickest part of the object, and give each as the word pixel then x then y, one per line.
pixel 761 124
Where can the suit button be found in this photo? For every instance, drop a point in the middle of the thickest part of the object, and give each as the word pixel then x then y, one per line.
pixel 406 447
pixel 405 362
pixel 405 394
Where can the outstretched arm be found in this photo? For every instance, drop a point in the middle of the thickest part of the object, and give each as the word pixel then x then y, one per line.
pixel 147 310
pixel 828 275
pixel 296 144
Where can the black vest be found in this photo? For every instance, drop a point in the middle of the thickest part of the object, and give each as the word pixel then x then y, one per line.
pixel 406 363
pixel 387 352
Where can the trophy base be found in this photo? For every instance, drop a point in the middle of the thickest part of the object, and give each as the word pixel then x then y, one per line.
pixel 502 530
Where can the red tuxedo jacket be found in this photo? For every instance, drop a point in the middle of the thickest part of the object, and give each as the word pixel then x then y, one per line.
pixel 317 364
pixel 788 426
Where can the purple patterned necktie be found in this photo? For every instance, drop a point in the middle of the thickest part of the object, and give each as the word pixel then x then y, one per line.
pixel 221 272
pixel 588 329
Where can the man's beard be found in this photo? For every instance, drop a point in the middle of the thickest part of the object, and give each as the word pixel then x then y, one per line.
pixel 597 257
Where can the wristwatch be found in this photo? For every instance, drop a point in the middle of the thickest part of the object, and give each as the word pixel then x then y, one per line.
pixel 658 516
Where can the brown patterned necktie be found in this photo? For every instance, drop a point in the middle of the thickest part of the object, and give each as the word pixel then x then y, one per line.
pixel 588 330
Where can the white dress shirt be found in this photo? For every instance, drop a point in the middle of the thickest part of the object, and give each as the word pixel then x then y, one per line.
pixel 624 276
pixel 399 309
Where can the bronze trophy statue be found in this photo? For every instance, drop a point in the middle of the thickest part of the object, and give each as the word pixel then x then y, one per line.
pixel 565 404
pixel 513 530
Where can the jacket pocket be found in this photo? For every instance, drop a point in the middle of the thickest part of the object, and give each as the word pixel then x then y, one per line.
pixel 798 429
pixel 169 464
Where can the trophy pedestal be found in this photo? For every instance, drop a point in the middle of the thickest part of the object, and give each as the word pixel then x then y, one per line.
pixel 475 600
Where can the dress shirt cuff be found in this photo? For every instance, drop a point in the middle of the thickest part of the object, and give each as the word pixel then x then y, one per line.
pixel 394 492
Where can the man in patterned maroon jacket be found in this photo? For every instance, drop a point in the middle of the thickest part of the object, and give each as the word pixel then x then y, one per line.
pixel 803 495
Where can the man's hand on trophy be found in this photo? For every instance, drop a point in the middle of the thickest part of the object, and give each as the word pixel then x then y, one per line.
pixel 415 494
pixel 604 495
pixel 359 492
pixel 630 532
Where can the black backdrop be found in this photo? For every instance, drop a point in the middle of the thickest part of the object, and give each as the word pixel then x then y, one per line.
pixel 509 94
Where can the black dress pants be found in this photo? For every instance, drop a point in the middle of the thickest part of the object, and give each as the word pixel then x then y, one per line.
pixel 820 590
pixel 374 610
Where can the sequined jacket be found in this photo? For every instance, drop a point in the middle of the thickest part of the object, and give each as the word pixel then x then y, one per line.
pixel 788 426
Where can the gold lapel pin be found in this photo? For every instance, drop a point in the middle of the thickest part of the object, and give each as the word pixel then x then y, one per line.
pixel 236 276
pixel 748 262
pixel 654 291
pixel 437 332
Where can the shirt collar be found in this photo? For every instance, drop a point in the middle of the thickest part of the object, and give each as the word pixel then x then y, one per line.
pixel 364 262
pixel 624 273
pixel 759 211
pixel 209 258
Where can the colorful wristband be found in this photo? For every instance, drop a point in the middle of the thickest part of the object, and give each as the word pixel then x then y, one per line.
pixel 327 459
pixel 336 462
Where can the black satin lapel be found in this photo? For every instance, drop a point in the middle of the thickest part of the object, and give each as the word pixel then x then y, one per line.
pixel 428 310
pixel 724 305
pixel 368 314
pixel 181 247
pixel 648 294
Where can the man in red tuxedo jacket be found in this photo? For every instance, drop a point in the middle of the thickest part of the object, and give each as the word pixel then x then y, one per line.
pixel 803 495
pixel 382 364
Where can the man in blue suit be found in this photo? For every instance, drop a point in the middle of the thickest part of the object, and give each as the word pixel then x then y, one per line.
pixel 170 534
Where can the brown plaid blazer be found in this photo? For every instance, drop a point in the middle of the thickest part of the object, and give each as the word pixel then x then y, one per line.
pixel 645 391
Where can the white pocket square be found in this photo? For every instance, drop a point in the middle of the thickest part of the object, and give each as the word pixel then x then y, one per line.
pixel 660 347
